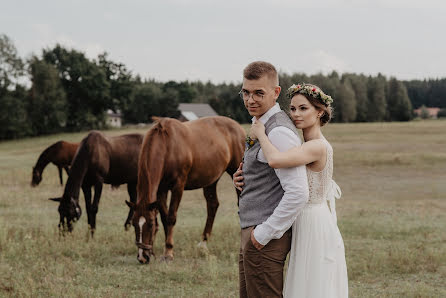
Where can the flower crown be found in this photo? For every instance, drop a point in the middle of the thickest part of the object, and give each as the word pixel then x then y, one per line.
pixel 311 90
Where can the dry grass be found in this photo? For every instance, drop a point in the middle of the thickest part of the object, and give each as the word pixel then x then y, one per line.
pixel 392 218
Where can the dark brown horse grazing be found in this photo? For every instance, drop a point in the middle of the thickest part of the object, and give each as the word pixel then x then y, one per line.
pixel 60 154
pixel 176 156
pixel 99 159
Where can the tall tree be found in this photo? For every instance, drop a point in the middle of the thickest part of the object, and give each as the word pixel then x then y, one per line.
pixel 186 92
pixel 120 80
pixel 142 102
pixel 345 102
pixel 398 102
pixel 359 84
pixel 86 86
pixel 13 117
pixel 47 103
pixel 377 104
pixel 285 82
pixel 228 103
pixel 11 65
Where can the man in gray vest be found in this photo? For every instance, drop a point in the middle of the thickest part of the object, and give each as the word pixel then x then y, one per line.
pixel 270 198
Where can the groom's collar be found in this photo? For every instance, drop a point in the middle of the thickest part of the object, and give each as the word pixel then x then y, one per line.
pixel 265 117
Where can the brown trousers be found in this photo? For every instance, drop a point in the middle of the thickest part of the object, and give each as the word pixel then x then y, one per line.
pixel 261 271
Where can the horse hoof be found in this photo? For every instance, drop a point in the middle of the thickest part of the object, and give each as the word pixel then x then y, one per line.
pixel 166 259
pixel 203 245
pixel 127 226
pixel 91 231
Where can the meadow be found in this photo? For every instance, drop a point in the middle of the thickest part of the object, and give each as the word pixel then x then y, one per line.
pixel 391 216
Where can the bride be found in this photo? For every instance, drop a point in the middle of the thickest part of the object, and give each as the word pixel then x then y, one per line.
pixel 317 265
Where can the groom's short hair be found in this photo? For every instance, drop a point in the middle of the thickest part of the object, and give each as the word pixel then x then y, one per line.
pixel 256 70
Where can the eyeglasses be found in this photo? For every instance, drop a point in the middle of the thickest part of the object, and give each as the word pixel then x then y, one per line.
pixel 256 96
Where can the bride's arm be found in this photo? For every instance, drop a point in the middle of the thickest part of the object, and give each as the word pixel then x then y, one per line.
pixel 307 153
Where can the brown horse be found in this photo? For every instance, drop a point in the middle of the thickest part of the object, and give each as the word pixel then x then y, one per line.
pixel 60 154
pixel 99 159
pixel 179 156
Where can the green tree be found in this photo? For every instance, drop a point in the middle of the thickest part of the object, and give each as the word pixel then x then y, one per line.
pixel 204 91
pixel 152 99
pixel 345 102
pixel 441 113
pixel 285 82
pixel 167 104
pixel 120 80
pixel 47 106
pixel 186 92
pixel 359 84
pixel 227 102
pixel 398 102
pixel 13 118
pixel 11 65
pixel 86 86
pixel 424 114
pixel 377 104
pixel 142 102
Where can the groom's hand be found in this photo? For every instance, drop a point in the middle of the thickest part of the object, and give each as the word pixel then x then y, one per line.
pixel 237 178
pixel 254 241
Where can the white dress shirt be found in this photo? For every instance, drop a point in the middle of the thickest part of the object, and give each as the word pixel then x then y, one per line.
pixel 293 181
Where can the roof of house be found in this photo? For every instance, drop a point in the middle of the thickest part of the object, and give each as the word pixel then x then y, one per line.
pixel 192 111
pixel 110 113
pixel 432 111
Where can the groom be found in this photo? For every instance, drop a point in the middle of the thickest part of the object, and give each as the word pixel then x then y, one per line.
pixel 271 198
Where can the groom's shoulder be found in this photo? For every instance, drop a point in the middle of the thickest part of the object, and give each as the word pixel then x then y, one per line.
pixel 282 130
pixel 280 119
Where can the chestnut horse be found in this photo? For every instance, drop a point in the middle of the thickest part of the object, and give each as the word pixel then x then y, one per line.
pixel 99 159
pixel 60 154
pixel 180 156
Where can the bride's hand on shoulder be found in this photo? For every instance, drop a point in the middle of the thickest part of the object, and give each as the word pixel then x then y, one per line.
pixel 257 129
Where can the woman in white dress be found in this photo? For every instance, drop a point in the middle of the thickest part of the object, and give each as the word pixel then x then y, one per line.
pixel 317 265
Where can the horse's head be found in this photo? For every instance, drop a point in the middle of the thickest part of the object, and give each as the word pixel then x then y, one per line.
pixel 144 222
pixel 69 212
pixel 37 177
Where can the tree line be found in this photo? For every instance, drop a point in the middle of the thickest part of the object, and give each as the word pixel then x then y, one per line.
pixel 70 92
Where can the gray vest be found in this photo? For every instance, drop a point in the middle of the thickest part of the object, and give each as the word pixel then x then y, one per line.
pixel 262 191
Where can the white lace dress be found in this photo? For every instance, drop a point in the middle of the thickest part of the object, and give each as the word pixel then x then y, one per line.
pixel 317 265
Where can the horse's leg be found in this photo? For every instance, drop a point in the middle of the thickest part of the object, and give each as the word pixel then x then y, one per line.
pixel 131 189
pixel 87 196
pixel 231 170
pixel 60 174
pixel 94 206
pixel 177 193
pixel 210 193
pixel 162 200
pixel 67 169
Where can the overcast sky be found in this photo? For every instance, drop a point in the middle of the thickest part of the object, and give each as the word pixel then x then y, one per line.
pixel 214 40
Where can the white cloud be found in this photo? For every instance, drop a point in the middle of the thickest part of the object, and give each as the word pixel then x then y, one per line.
pixel 92 50
pixel 47 37
pixel 325 62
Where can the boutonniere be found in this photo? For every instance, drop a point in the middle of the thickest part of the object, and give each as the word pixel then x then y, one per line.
pixel 250 142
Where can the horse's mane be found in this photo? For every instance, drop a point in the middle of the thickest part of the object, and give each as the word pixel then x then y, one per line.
pixel 79 166
pixel 152 152
pixel 160 125
pixel 44 157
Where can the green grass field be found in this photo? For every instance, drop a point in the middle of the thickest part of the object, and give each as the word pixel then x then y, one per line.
pixel 391 215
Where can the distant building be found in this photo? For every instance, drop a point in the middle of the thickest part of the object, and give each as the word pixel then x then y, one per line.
pixel 114 119
pixel 192 111
pixel 433 112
